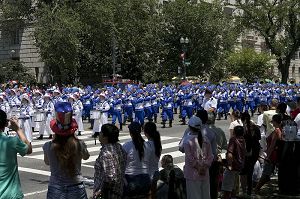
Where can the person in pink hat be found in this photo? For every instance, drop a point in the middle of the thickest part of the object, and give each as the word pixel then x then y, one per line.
pixel 64 154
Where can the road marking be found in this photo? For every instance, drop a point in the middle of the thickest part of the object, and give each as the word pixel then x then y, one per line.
pixel 35 171
pixel 36 192
pixel 93 158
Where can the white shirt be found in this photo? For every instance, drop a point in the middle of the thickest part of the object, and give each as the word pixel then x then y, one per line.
pixel 134 165
pixel 209 103
pixel 235 123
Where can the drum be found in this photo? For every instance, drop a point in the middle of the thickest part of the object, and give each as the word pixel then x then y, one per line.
pixel 95 115
pixel 39 117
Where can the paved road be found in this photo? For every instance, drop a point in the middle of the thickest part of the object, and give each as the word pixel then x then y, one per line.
pixel 34 173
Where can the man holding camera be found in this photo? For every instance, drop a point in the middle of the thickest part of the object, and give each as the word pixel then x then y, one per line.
pixel 9 147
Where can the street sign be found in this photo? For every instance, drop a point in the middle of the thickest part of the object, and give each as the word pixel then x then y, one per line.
pixel 187 63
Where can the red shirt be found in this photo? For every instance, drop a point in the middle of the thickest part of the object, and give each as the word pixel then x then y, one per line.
pixel 294 113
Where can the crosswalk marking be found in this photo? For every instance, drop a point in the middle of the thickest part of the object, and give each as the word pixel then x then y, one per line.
pixel 168 144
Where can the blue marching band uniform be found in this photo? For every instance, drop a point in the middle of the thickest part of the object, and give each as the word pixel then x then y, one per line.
pixel 138 103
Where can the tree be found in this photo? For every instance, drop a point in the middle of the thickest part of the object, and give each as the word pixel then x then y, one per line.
pixel 278 22
pixel 249 64
pixel 15 70
pixel 211 33
pixel 56 33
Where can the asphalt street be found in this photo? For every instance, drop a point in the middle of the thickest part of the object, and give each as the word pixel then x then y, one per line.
pixel 34 174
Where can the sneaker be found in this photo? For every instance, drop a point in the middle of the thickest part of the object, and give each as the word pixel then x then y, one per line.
pixel 50 137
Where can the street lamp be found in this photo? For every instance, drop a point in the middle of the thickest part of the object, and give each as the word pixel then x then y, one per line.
pixel 184 42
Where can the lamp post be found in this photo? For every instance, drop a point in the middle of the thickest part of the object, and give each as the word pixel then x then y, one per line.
pixel 184 42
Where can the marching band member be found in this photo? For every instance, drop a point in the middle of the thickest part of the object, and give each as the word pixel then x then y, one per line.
pixel 38 102
pixel 147 107
pixel 139 107
pixel 103 107
pixel 117 109
pixel 4 105
pixel 26 111
pixel 167 109
pixel 77 111
pixel 56 96
pixel 14 102
pixel 128 108
pixel 47 110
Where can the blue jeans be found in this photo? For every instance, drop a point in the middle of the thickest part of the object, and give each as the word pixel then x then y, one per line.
pixel 66 191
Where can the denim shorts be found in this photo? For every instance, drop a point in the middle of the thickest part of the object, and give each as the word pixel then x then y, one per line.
pixel 76 191
pixel 137 184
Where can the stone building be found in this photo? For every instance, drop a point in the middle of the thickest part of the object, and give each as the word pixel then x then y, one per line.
pixel 19 45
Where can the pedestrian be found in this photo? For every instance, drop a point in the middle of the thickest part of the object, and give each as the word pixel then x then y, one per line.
pixel 138 181
pixel 9 147
pixel 235 121
pixel 110 165
pixel 235 157
pixel 263 143
pixel 154 143
pixel 171 183
pixel 198 158
pixel 267 117
pixel 272 152
pixel 252 137
pixel 214 170
pixel 64 155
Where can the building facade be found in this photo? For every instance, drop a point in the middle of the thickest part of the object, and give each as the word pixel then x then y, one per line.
pixel 19 44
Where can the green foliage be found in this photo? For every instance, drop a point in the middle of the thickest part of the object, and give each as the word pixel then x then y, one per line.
pixel 76 37
pixel 211 33
pixel 279 23
pixel 15 70
pixel 249 64
pixel 57 37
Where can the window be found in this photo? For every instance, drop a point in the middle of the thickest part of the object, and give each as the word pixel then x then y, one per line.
pixel 15 37
pixel 293 69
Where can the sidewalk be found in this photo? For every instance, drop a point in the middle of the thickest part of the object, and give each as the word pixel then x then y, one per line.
pixel 271 190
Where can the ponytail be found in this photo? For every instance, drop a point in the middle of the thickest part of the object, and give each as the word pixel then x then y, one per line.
pixel 200 138
pixel 137 139
pixel 151 130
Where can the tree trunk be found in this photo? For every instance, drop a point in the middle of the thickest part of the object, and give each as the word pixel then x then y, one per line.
pixel 283 67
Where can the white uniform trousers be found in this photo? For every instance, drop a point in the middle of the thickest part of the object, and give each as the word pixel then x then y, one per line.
pixel 25 124
pixel 79 121
pixel 99 122
pixel 45 126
